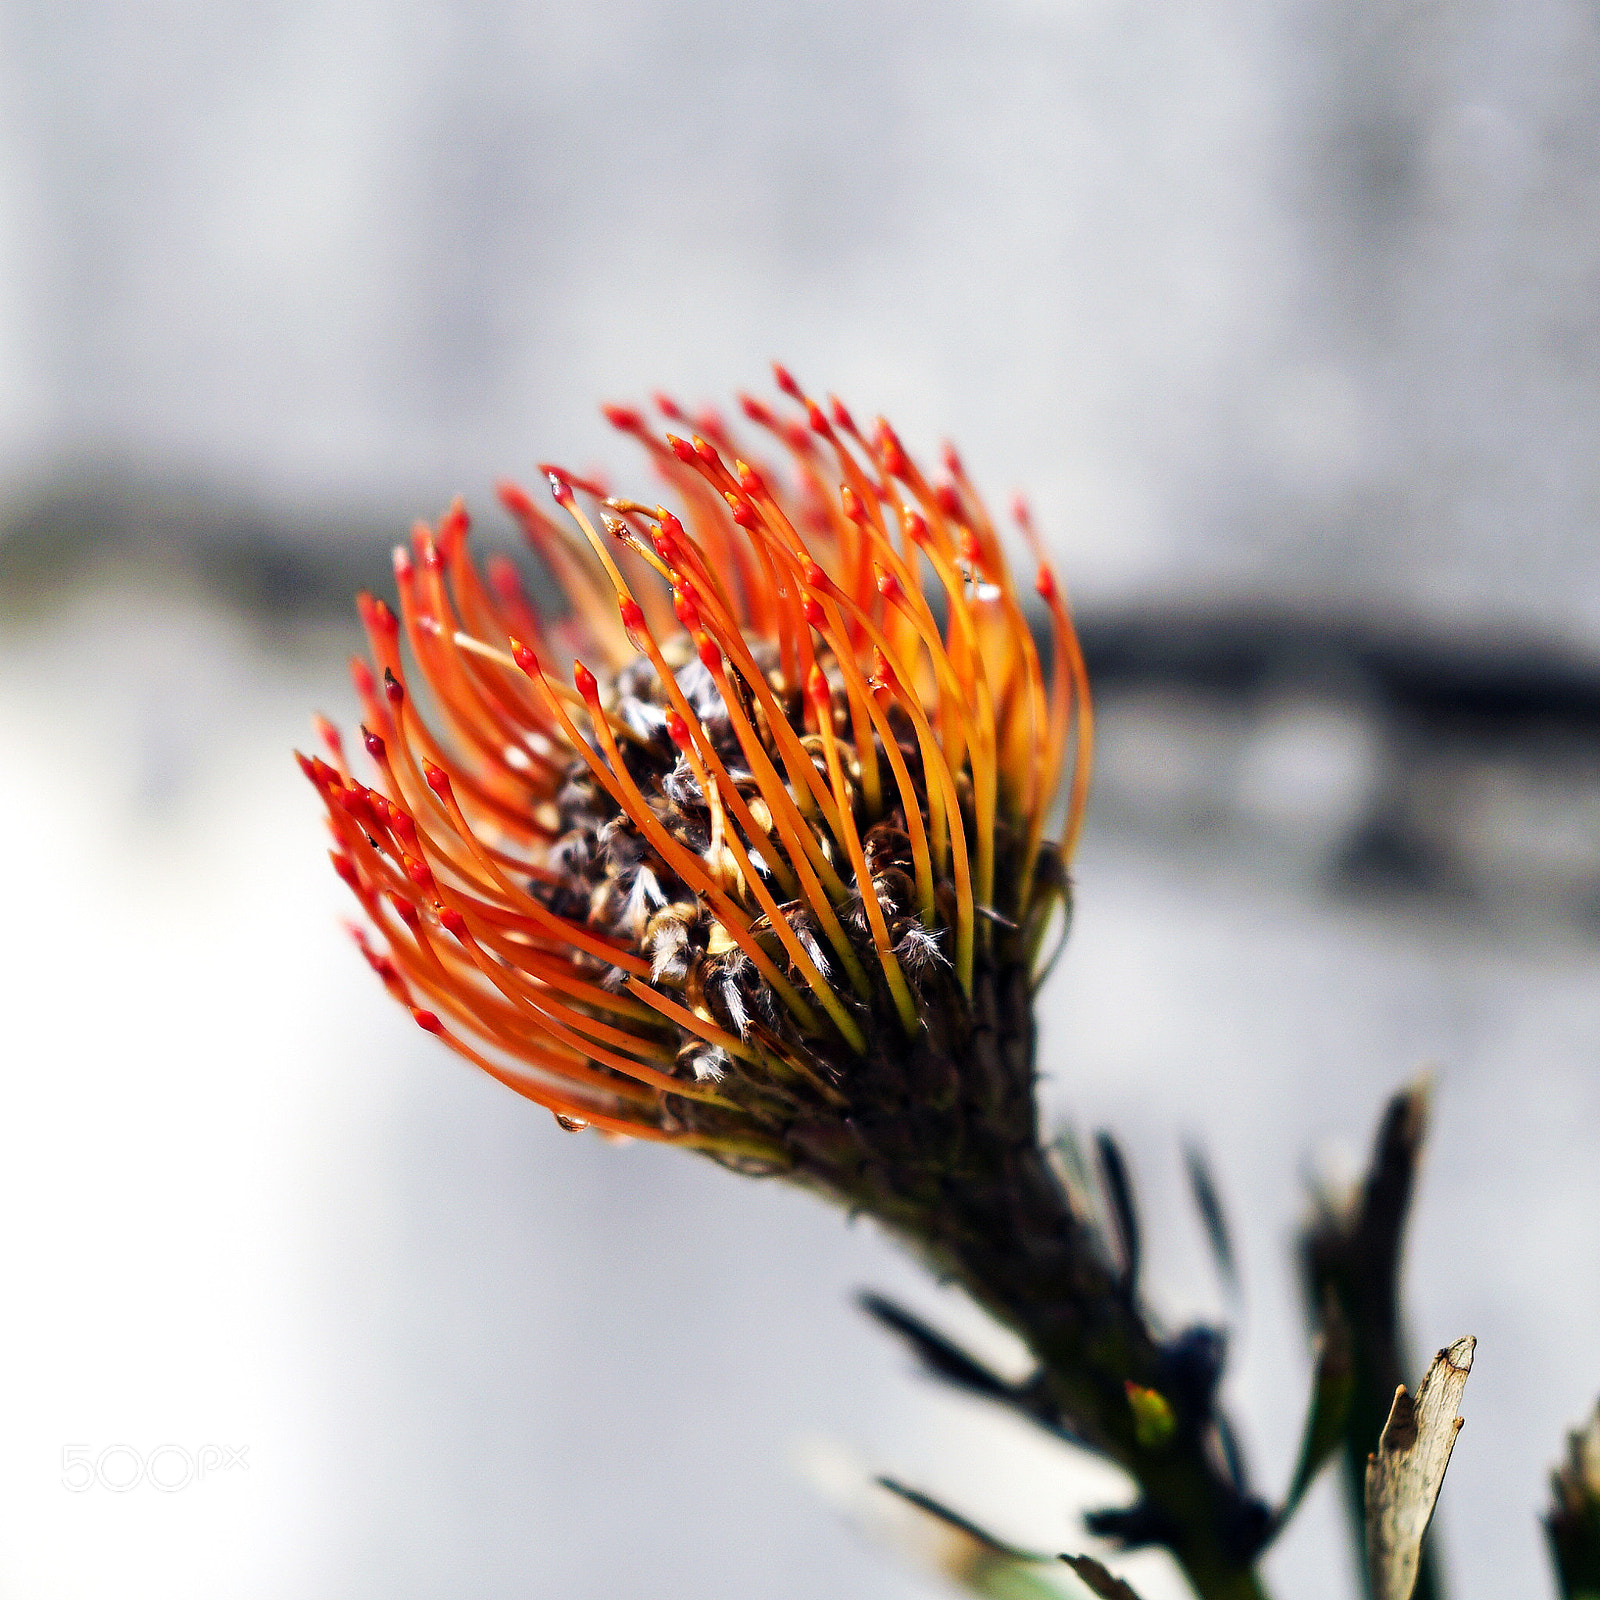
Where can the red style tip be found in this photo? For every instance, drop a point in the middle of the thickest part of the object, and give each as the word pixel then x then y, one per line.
pixel 813 612
pixel 351 801
pixel 850 501
pixel 329 736
pixel 432 556
pixel 632 615
pixel 524 658
pixel 915 524
pixel 454 923
pixel 889 448
pixel 709 422
pixel 668 407
pixel 503 579
pixel 624 418
pixel 454 526
pixel 585 682
pixel 361 676
pixel 743 512
pixel 710 655
pixel 888 584
pixel 438 779
pixel 375 746
pixel 403 569
pixel 948 499
pixel 815 577
pixel 706 451
pixel 559 487
pixel 514 498
pixel 952 462
pixel 749 479
pixel 404 908
pixel 393 687
pixel 684 608
pixel 304 763
pixel 681 448
pixel 841 416
pixel 677 730
pixel 817 421
pixel 419 872
pixel 817 687
pixel 426 1020
pixel 881 669
pixel 384 619
pixel 1020 513
pixel 785 381
pixel 1045 585
pixel 346 868
pixel 762 415
pixel 967 545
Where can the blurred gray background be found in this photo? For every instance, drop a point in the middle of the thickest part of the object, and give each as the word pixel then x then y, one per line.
pixel 1288 319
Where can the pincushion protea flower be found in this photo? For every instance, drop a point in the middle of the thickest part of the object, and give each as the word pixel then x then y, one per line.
pixel 768 873
pixel 750 850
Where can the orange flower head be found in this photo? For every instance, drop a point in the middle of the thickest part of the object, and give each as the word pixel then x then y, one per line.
pixel 746 848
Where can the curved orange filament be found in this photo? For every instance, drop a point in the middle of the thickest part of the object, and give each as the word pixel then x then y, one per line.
pixel 691 868
pixel 619 784
pixel 459 842
pixel 822 698
pixel 692 1022
pixel 815 979
pixel 943 802
pixel 910 805
pixel 581 1032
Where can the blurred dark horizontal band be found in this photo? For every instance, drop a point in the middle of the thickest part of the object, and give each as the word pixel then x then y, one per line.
pixel 1446 679
pixel 100 526
pixel 1354 753
pixel 97 524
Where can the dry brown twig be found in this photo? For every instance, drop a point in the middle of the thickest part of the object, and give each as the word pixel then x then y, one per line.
pixel 1405 1472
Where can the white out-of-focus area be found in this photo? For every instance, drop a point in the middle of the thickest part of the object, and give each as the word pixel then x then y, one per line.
pixel 1283 315
pixel 1251 297
pixel 304 1307
pixel 300 1307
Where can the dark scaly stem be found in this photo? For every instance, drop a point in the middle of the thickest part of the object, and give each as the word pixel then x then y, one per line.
pixel 962 1176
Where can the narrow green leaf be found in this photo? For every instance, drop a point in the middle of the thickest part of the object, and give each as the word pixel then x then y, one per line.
pixel 1333 1387
pixel 976 1559
pixel 1209 1204
pixel 1102 1582
pixel 1573 1522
